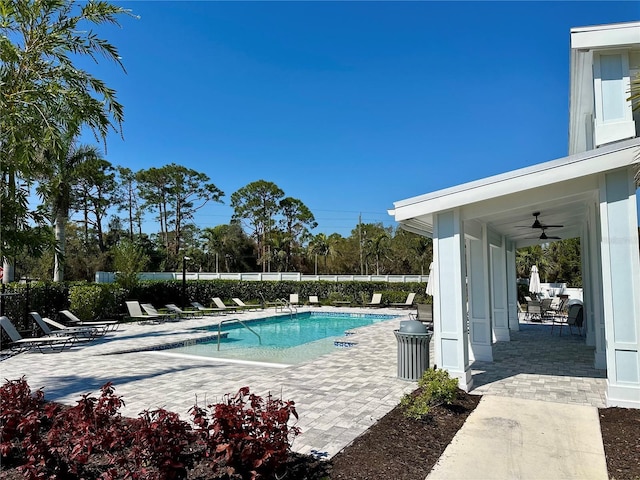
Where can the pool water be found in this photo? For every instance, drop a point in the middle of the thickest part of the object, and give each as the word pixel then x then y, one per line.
pixel 283 340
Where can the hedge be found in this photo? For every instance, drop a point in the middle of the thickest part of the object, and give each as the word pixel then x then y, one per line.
pixel 91 301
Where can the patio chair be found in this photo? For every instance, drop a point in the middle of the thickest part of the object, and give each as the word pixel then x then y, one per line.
pixel 545 308
pixel 221 305
pixel 183 313
pixel 534 312
pixel 424 314
pixel 207 310
pixel 313 300
pixel 19 344
pixel 574 318
pixel 79 333
pixel 135 313
pixel 98 330
pixel 246 306
pixel 105 325
pixel 151 310
pixel 408 303
pixel 294 299
pixel 376 301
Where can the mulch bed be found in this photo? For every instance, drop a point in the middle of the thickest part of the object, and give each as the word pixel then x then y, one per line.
pixel 621 437
pixel 400 448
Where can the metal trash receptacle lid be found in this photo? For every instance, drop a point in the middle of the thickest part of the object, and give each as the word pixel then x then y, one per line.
pixel 412 326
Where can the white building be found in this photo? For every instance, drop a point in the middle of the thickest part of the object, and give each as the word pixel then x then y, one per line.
pixel 591 193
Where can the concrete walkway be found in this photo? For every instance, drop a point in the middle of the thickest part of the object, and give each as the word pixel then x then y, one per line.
pixel 511 438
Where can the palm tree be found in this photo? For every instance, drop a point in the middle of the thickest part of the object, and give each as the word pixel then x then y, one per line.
pixel 319 245
pixel 45 96
pixel 378 247
pixel 56 190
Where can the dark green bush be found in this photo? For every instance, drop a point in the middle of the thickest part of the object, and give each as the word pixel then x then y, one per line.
pixel 435 387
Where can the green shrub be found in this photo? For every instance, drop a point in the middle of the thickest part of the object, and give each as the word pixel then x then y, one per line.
pixel 434 388
pixel 96 301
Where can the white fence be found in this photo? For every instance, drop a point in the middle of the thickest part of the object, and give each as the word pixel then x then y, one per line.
pixel 109 277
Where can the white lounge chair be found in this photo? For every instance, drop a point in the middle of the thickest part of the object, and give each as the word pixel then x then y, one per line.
pixel 408 303
pixel 376 300
pixel 313 300
pixel 43 344
pixel 294 299
pixel 208 310
pixel 246 306
pixel 152 311
pixel 106 325
pixel 183 313
pixel 220 304
pixel 79 333
pixel 136 313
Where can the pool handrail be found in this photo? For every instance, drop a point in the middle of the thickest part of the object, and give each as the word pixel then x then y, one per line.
pixel 284 303
pixel 228 320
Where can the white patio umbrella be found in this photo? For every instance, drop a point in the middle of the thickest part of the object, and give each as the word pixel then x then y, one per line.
pixel 430 282
pixel 534 280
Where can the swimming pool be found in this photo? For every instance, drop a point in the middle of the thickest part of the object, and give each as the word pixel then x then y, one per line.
pixel 284 339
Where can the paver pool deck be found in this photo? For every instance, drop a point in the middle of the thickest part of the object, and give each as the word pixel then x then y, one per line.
pixel 338 396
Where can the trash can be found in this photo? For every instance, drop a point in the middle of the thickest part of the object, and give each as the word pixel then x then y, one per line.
pixel 413 349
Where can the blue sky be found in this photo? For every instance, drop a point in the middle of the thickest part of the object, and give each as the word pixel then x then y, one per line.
pixel 347 106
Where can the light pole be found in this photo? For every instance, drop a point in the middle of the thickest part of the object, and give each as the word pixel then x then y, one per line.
pixel 184 281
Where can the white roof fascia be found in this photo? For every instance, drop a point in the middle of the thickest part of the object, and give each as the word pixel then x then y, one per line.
pixel 605 36
pixel 555 171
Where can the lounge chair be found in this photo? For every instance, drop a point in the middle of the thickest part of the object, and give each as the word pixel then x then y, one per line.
pixel 376 301
pixel 424 314
pixel 246 306
pixel 277 303
pixel 408 303
pixel 183 313
pixel 294 299
pixel 207 310
pixel 221 305
pixel 106 325
pixel 43 344
pixel 313 300
pixel 151 310
pixel 136 313
pixel 79 333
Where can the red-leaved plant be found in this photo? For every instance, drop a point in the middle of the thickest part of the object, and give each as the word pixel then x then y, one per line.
pixel 159 438
pixel 245 434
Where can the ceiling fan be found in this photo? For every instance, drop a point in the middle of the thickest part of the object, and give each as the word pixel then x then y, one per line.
pixel 544 235
pixel 538 224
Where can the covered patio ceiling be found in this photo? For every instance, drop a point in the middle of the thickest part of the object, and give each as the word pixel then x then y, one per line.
pixel 560 190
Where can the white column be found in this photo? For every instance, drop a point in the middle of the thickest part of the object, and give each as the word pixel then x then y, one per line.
pixel 621 284
pixel 449 307
pixel 498 275
pixel 593 299
pixel 478 283
pixel 512 288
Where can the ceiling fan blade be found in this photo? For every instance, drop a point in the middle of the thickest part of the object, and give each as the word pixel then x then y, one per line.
pixel 538 224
